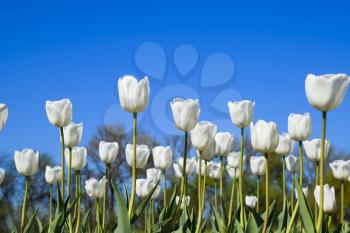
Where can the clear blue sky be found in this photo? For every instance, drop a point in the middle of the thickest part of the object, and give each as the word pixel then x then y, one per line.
pixel 51 50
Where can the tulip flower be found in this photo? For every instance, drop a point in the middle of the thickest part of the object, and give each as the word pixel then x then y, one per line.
pixel 251 201
pixel 72 134
pixel 241 112
pixel 3 115
pixel 108 151
pixel 153 174
pixel 79 155
pixel 223 143
pixel 203 134
pixel 292 163
pixel 2 175
pixel 325 93
pixel 214 172
pixel 144 187
pixel 257 165
pixel 178 166
pixel 264 138
pixel 305 191
pixel 142 154
pixel 52 175
pixel 233 172
pixel 233 159
pixel 162 157
pixel 202 167
pixel 185 113
pixel 60 115
pixel 329 198
pixel 182 206
pixel 313 149
pixel 26 162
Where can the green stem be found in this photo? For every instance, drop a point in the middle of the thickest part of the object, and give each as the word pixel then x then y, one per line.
pixel 152 212
pixel 200 182
pixel 258 194
pixel 317 167
pixel 204 184
pixel 201 193
pixel 133 189
pixel 320 216
pixel 24 206
pixel 342 202
pixel 301 164
pixel 164 193
pixel 70 224
pixel 145 216
pixel 266 219
pixel 62 163
pixel 221 175
pixel 98 218
pixel 241 178
pixel 78 190
pixel 215 197
pixel 292 194
pixel 284 180
pixel 105 197
pixel 184 164
pixel 329 222
pixel 291 222
pixel 231 199
pixel 50 216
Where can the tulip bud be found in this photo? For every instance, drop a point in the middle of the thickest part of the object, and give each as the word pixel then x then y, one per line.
pixel 285 145
pixel 234 158
pixel 95 188
pixel 78 158
pixel 313 149
pixel 162 157
pixel 224 142
pixel 3 115
pixel 27 162
pixel 292 163
pixel 203 134
pixel 72 134
pixel 108 151
pixel 153 174
pixel 340 169
pixel 251 201
pixel 299 126
pixel 232 172
pixel 305 191
pixel 329 205
pixel 185 113
pixel 209 152
pixel 2 175
pixel 326 92
pixel 190 166
pixel 257 165
pixel 241 112
pixel 142 154
pixel 133 94
pixel 182 206
pixel 264 136
pixel 143 187
pixel 214 172
pixel 52 174
pixel 59 112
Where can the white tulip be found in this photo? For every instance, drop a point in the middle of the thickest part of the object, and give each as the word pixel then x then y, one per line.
pixel 329 198
pixel 156 192
pixel 224 142
pixel 251 201
pixel 313 149
pixel 232 172
pixel 162 157
pixel 340 169
pixel 305 191
pixel 142 154
pixel 185 113
pixel 182 206
pixel 153 174
pixel 326 92
pixel 285 145
pixel 108 151
pixel 203 134
pixel 133 94
pixel 241 112
pixel 234 158
pixel 292 163
pixel 2 175
pixel 27 162
pixel 264 136
pixel 59 112
pixel 209 167
pixel 72 134
pixel 52 174
pixel 95 188
pixel 79 155
pixel 214 172
pixel 257 165
pixel 4 112
pixel 144 187
pixel 190 166
pixel 209 152
pixel 299 126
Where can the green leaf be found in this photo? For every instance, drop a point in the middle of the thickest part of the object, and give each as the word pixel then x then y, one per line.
pixel 54 226
pixel 30 222
pixel 252 226
pixel 13 225
pixel 123 218
pixel 220 222
pixel 84 223
pixel 305 211
pixel 283 218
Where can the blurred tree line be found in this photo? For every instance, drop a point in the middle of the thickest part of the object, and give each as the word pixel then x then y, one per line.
pixel 11 190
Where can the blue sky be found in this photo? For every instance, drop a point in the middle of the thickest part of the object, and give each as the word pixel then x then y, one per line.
pixel 51 50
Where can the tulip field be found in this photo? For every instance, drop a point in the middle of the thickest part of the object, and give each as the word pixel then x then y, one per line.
pixel 149 205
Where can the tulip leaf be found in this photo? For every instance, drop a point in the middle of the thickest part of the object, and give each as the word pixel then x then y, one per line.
pixel 13 225
pixel 283 218
pixel 30 222
pixel 84 223
pixel 252 226
pixel 305 211
pixel 123 218
pixel 220 222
